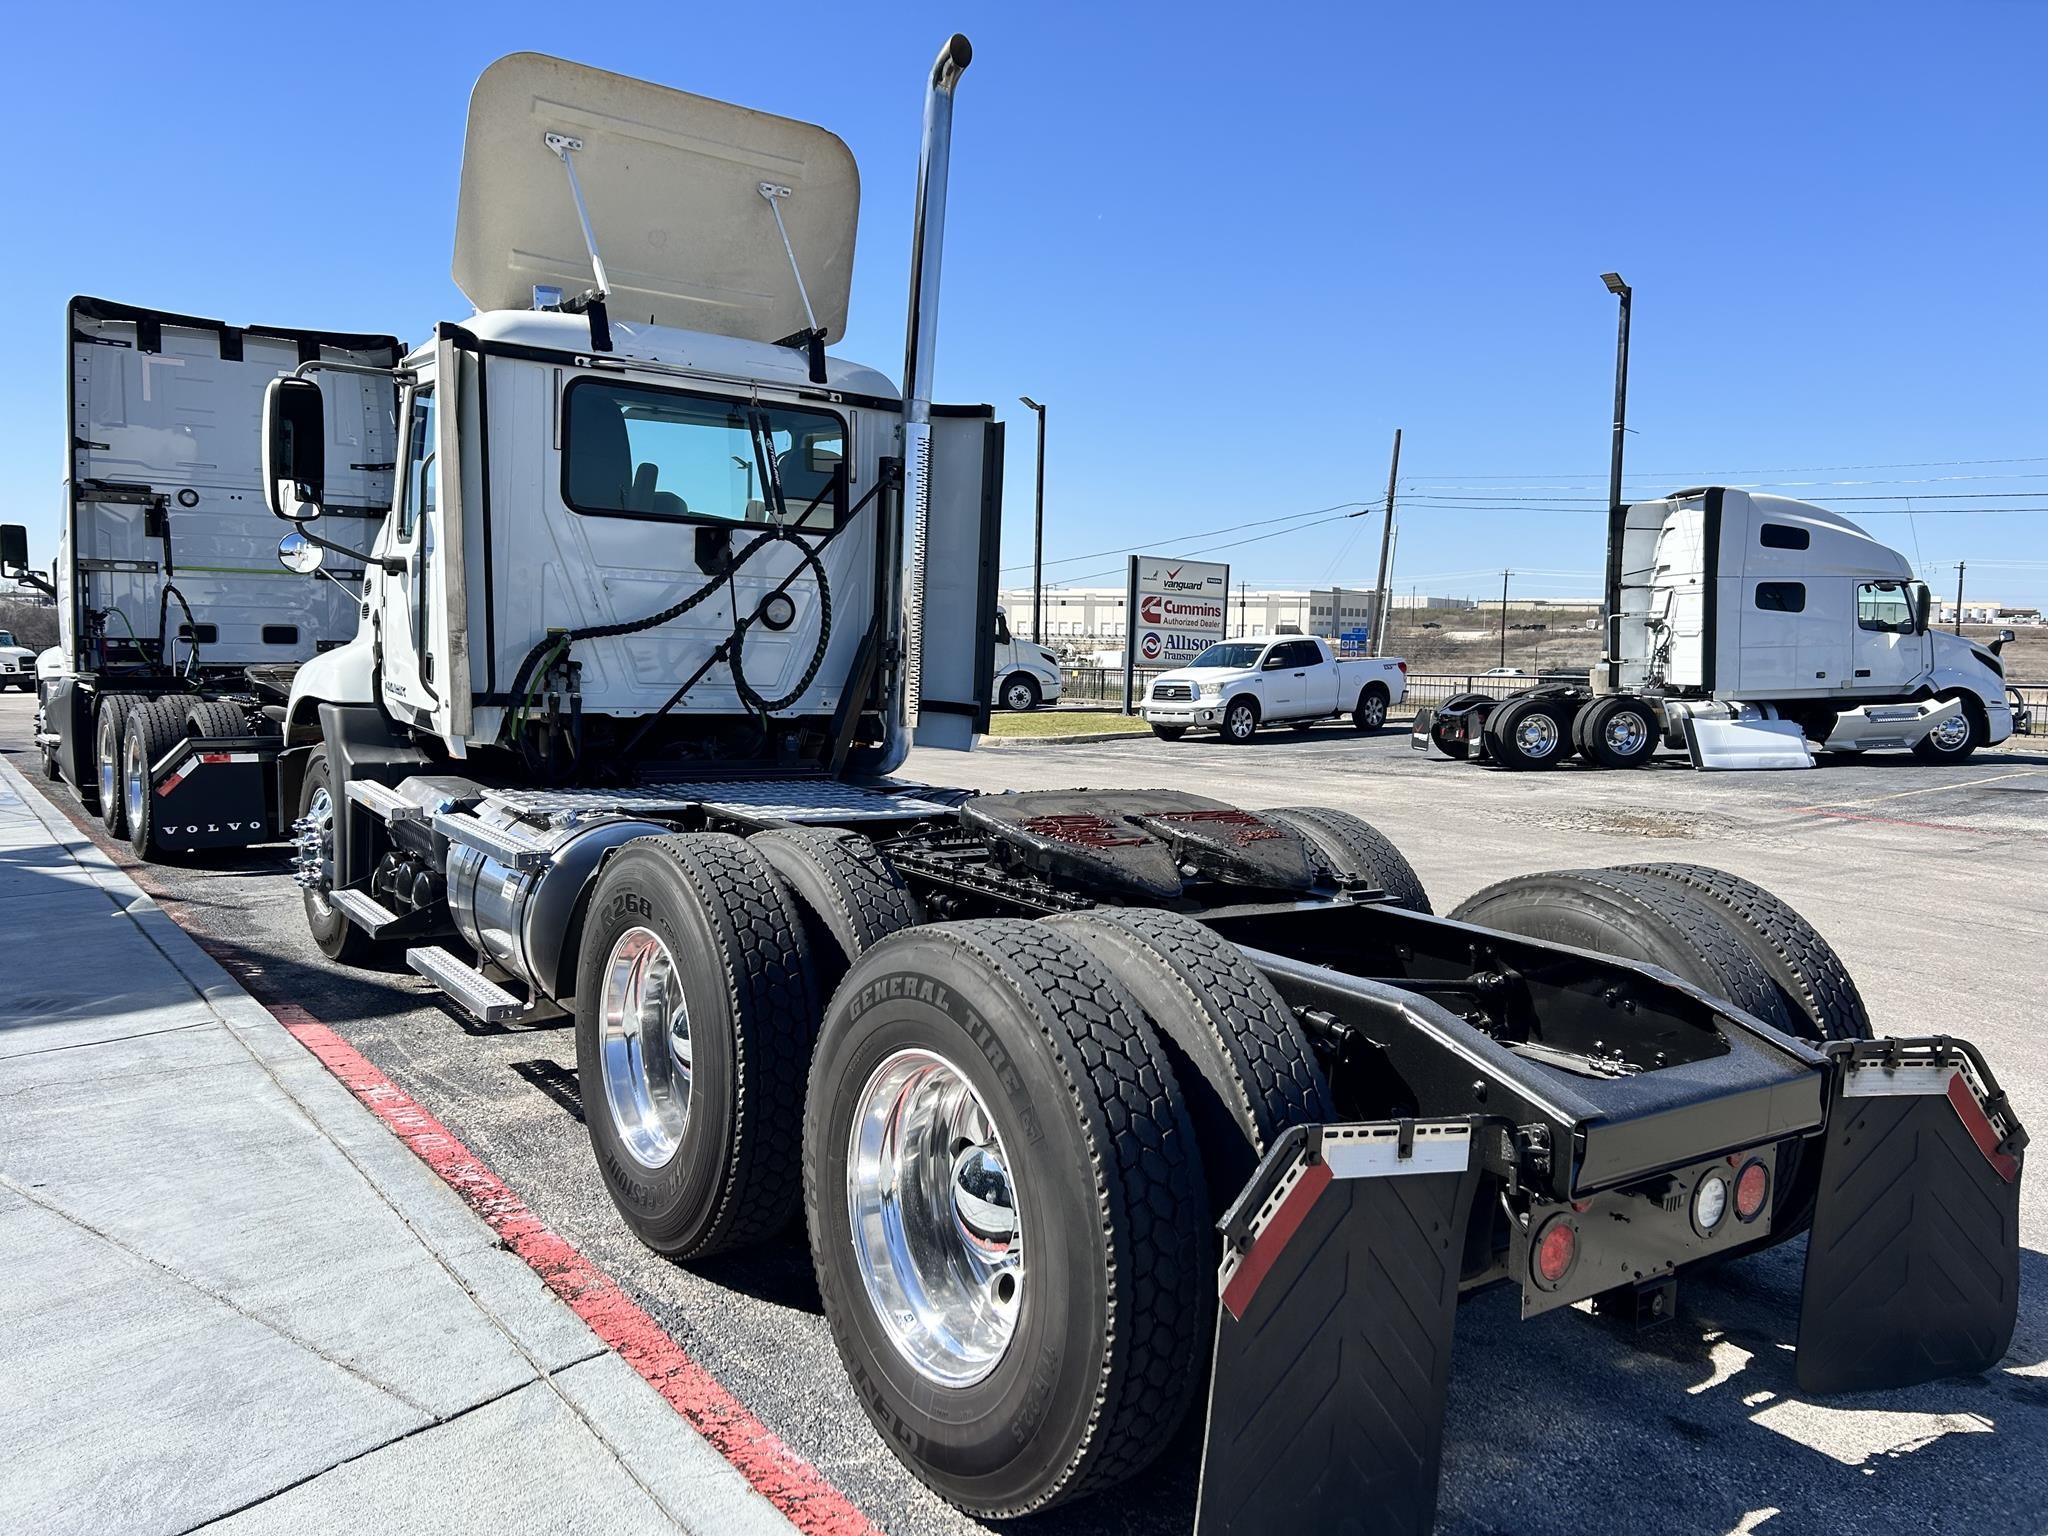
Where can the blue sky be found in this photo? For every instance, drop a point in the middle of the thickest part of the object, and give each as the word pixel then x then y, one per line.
pixel 1231 247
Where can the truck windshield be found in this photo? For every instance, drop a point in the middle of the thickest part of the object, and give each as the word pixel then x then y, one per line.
pixel 6 637
pixel 1229 654
pixel 634 451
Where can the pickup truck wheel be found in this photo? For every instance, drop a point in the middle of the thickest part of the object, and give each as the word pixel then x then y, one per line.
pixel 319 818
pixel 1952 741
pixel 1356 850
pixel 695 1010
pixel 851 897
pixel 1169 732
pixel 108 721
pixel 1006 1214
pixel 151 730
pixel 1020 691
pixel 1371 712
pixel 1529 733
pixel 1618 732
pixel 1246 1070
pixel 1240 721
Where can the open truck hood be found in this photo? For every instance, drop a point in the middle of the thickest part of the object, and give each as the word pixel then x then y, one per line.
pixel 672 184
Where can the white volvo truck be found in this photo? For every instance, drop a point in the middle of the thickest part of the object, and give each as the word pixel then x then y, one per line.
pixel 1748 631
pixel 1080 1095
pixel 177 633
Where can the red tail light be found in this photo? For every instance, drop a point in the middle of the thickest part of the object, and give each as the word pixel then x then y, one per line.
pixel 1403 666
pixel 1752 1187
pixel 1557 1249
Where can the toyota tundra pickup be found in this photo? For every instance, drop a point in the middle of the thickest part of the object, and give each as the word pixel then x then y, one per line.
pixel 1236 686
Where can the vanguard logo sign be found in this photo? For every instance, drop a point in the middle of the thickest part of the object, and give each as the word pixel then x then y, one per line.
pixel 1185 577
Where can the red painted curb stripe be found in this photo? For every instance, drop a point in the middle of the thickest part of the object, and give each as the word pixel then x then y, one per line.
pixel 1266 1247
pixel 781 1476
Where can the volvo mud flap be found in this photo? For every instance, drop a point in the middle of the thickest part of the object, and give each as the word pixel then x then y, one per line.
pixel 1339 1286
pixel 1912 1267
pixel 214 792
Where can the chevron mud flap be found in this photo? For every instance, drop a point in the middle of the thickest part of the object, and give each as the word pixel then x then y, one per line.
pixel 1339 1287
pixel 1912 1266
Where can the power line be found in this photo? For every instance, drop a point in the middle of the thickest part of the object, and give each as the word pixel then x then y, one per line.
pixel 1135 549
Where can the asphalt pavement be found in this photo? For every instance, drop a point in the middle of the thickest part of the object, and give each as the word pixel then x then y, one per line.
pixel 1932 882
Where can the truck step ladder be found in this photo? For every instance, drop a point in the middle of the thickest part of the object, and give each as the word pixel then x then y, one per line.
pixel 383 802
pixel 479 996
pixel 365 911
pixel 507 845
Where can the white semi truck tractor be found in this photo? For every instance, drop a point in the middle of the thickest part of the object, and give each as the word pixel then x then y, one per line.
pixel 1093 1104
pixel 1749 631
pixel 177 633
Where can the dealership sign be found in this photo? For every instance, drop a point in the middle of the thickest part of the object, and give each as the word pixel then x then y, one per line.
pixel 1178 608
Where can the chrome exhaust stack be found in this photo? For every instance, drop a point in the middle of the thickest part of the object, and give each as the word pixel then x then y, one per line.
pixel 921 338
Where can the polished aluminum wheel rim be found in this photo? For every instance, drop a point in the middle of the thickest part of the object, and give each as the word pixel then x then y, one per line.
pixel 320 813
pixel 936 1231
pixel 1536 735
pixel 646 1047
pixel 1625 732
pixel 1020 697
pixel 138 785
pixel 110 770
pixel 1950 734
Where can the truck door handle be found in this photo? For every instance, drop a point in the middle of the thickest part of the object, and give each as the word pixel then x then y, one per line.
pixel 1301 674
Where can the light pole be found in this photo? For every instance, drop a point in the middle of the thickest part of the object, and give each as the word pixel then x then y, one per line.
pixel 1038 526
pixel 1625 294
pixel 1504 618
pixel 748 466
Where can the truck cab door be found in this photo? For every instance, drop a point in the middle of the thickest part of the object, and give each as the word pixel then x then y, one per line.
pixel 1890 653
pixel 1285 671
pixel 405 656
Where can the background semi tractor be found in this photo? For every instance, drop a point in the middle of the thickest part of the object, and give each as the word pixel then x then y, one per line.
pixel 1748 631
pixel 177 632
pixel 1092 1104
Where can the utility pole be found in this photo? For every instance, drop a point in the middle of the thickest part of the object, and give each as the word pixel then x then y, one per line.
pixel 1626 295
pixel 1240 605
pixel 1380 592
pixel 1038 529
pixel 1504 575
pixel 1959 597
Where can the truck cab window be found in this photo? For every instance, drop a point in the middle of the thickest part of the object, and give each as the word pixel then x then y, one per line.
pixel 1784 536
pixel 633 451
pixel 419 466
pixel 1885 606
pixel 1781 596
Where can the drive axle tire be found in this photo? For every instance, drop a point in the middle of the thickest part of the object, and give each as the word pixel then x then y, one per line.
pixel 695 1011
pixel 1529 733
pixel 333 934
pixel 1458 750
pixel 1169 732
pixel 1823 1001
pixel 151 729
pixel 851 897
pixel 1617 732
pixel 109 762
pixel 213 718
pixel 1634 917
pixel 1240 721
pixel 1006 1214
pixel 1370 713
pixel 1245 1068
pixel 1356 850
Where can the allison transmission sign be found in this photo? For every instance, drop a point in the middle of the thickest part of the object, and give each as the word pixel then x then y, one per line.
pixel 1178 608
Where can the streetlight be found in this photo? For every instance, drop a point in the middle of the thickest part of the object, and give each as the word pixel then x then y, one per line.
pixel 1625 294
pixel 1038 526
pixel 748 466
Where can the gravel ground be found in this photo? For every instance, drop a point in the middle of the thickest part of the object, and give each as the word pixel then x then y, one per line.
pixel 1933 883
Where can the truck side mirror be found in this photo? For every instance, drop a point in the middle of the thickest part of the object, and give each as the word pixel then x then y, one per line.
pixel 299 554
pixel 13 546
pixel 1922 609
pixel 294 448
pixel 2005 636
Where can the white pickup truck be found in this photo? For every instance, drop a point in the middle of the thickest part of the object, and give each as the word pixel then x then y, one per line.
pixel 1236 686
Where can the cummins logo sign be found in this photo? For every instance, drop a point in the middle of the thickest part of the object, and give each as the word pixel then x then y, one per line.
pixel 1178 608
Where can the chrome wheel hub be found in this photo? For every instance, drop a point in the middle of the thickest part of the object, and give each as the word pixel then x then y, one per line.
pixel 313 849
pixel 1950 735
pixel 1625 732
pixel 936 1229
pixel 645 1050
pixel 1536 735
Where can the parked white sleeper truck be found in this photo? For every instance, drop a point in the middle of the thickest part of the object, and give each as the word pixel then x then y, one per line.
pixel 1026 673
pixel 177 632
pixel 1748 631
pixel 1235 686
pixel 615 741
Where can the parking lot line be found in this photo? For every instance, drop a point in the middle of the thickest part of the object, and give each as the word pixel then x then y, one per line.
pixel 1928 789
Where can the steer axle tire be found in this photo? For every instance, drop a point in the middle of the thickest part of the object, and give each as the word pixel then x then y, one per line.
pixel 695 1011
pixel 321 803
pixel 1006 1213
pixel 1356 850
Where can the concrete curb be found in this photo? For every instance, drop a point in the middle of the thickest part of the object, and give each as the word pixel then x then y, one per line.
pixel 1060 741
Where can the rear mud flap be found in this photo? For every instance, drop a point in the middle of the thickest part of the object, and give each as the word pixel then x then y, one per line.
pixel 1339 1287
pixel 1912 1266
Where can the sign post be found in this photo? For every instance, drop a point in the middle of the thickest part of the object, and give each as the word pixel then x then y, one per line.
pixel 1174 610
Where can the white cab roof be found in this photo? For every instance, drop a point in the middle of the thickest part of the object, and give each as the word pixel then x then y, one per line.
pixel 671 181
